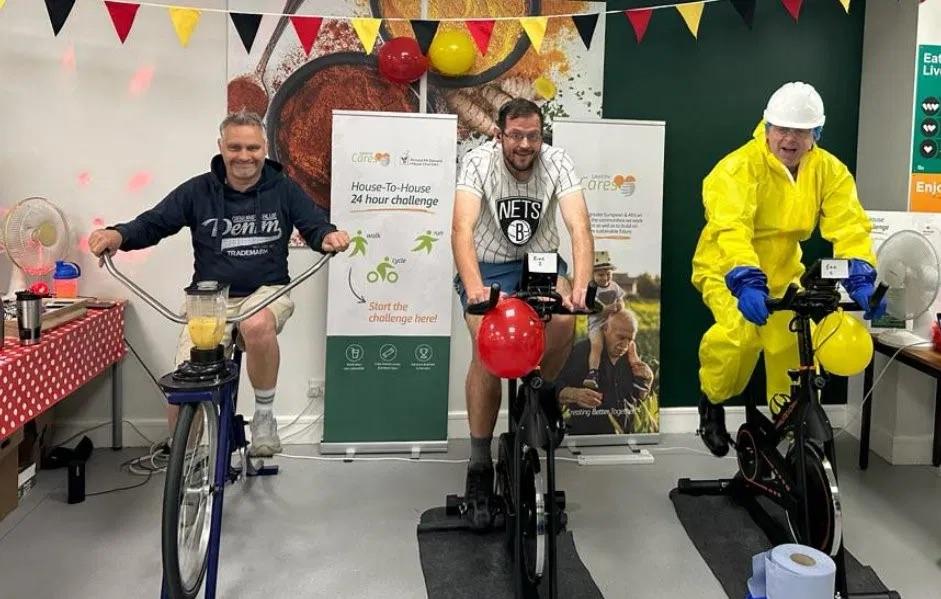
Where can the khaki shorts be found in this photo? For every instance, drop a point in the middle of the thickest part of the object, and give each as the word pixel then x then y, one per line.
pixel 282 308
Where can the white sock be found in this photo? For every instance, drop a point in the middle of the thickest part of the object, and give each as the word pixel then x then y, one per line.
pixel 264 400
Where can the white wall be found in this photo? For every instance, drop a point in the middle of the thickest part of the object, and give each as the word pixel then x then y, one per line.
pixel 63 121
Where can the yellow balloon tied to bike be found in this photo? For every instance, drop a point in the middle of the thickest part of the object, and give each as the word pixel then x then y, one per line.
pixel 842 344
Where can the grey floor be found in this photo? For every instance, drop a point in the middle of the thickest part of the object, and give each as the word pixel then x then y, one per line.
pixel 333 529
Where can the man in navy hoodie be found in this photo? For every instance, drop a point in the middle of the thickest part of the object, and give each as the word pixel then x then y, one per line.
pixel 240 215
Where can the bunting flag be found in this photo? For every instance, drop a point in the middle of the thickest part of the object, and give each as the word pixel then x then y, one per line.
pixel 307 29
pixel 424 33
pixel 123 14
pixel 691 13
pixel 58 13
pixel 585 24
pixel 639 20
pixel 746 9
pixel 122 17
pixel 793 7
pixel 481 30
pixel 367 29
pixel 246 24
pixel 535 28
pixel 184 22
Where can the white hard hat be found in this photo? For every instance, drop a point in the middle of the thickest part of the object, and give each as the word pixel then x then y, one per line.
pixel 796 105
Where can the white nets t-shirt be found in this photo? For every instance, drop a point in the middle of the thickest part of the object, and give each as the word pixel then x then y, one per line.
pixel 516 217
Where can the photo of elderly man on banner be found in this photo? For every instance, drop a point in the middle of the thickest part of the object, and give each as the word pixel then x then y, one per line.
pixel 607 362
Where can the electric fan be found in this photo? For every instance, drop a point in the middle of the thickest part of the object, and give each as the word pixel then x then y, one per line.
pixel 908 264
pixel 34 235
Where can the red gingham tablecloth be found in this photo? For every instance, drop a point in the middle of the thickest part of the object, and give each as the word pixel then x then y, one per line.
pixel 35 377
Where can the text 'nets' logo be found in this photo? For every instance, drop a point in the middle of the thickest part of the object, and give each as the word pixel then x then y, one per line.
pixel 382 158
pixel 519 218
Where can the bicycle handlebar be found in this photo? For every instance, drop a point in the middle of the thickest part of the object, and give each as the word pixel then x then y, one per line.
pixel 544 301
pixel 181 318
pixel 827 298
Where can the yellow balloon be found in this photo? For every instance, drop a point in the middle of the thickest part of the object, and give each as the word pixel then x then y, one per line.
pixel 452 53
pixel 842 344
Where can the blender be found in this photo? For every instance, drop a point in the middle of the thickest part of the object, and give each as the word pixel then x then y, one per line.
pixel 206 304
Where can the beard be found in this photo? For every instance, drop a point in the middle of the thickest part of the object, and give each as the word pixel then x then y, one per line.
pixel 520 162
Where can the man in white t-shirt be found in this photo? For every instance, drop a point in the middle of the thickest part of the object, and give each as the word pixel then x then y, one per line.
pixel 504 208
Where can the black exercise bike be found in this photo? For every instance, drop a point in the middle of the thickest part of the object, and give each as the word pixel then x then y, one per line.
pixel 526 501
pixel 803 481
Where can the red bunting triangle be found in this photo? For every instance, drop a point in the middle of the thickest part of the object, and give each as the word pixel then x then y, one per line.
pixel 481 30
pixel 639 19
pixel 793 7
pixel 122 17
pixel 307 29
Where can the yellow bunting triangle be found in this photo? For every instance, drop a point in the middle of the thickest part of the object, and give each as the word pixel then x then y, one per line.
pixel 184 22
pixel 2 2
pixel 691 13
pixel 845 3
pixel 535 28
pixel 367 29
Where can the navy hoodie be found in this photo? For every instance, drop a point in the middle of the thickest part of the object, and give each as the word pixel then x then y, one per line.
pixel 239 238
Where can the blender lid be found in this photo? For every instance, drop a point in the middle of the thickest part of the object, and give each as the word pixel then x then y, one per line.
pixel 206 288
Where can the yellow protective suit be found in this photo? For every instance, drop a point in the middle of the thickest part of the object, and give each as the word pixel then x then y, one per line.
pixel 756 215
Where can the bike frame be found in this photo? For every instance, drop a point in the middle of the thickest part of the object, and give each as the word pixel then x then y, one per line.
pixel 222 393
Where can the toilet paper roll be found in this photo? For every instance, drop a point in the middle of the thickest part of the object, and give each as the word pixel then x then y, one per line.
pixel 799 572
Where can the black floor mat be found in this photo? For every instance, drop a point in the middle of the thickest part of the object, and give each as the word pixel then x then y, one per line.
pixel 463 564
pixel 726 536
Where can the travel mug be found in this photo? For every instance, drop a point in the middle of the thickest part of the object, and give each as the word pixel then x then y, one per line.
pixel 28 316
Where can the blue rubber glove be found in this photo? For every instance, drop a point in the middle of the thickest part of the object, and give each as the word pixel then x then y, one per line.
pixel 861 284
pixel 750 286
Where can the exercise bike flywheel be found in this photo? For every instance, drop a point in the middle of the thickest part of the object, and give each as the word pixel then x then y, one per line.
pixel 823 499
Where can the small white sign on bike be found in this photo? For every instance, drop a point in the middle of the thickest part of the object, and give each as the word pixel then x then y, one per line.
pixel 544 263
pixel 834 269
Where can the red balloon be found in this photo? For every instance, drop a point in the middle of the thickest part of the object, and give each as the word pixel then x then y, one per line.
pixel 511 339
pixel 401 60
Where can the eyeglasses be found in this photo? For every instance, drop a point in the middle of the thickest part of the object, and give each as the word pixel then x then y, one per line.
pixel 517 137
pixel 798 133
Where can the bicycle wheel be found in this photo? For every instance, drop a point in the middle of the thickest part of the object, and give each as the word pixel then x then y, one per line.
pixel 188 498
pixel 823 498
pixel 533 512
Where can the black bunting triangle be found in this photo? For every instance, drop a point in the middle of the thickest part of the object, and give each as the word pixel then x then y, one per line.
pixel 58 13
pixel 746 9
pixel 424 33
pixel 247 26
pixel 585 24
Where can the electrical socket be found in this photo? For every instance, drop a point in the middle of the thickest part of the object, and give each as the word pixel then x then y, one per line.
pixel 315 389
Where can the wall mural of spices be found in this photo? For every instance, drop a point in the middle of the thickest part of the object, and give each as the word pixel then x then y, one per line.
pixel 297 91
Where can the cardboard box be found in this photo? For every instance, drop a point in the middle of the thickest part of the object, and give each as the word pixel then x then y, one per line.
pixel 9 473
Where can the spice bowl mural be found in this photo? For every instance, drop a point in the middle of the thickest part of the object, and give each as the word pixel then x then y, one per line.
pixel 296 80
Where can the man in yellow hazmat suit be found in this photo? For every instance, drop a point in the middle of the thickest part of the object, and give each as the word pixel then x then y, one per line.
pixel 761 201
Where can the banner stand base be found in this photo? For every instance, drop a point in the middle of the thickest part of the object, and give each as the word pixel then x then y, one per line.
pixel 574 442
pixel 413 448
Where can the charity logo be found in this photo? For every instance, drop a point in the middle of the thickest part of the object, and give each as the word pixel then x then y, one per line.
pixel 382 158
pixel 930 105
pixel 519 218
pixel 625 184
